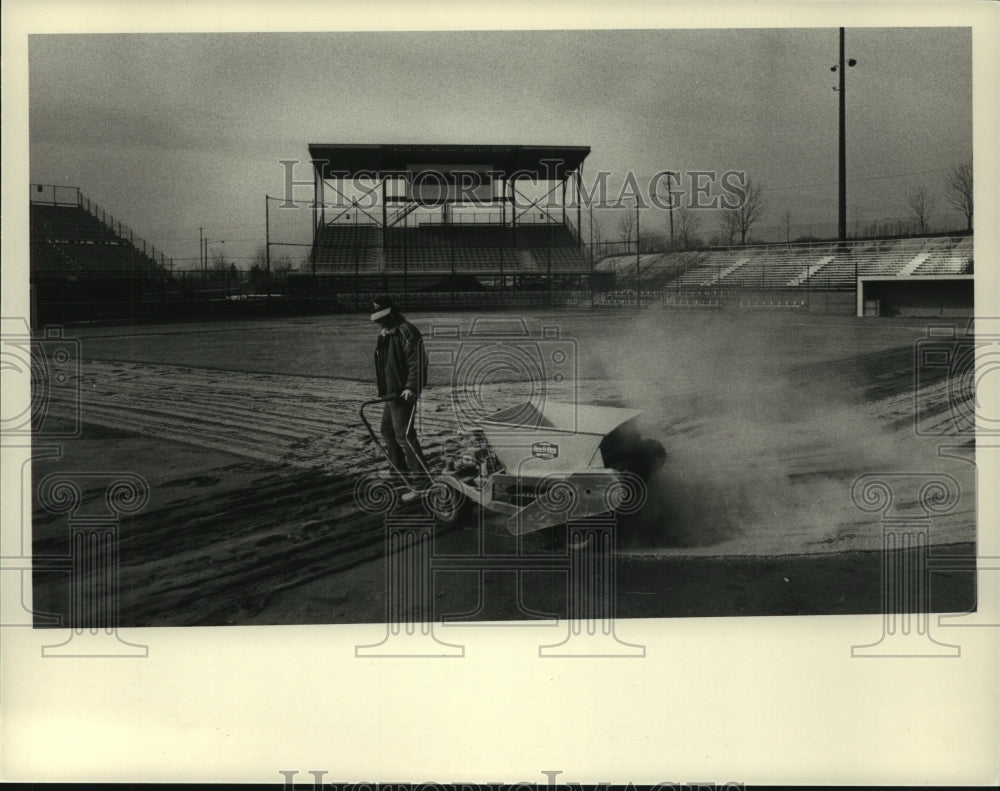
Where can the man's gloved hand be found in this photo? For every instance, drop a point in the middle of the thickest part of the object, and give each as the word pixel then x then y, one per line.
pixel 408 395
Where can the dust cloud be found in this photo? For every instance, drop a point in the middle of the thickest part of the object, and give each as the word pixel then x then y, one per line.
pixel 763 433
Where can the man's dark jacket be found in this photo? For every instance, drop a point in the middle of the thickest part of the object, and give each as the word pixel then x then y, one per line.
pixel 400 360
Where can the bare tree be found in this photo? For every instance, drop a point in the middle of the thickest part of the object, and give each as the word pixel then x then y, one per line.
pixel 686 225
pixel 597 231
pixel 280 267
pixel 626 226
pixel 960 190
pixel 259 257
pixel 741 218
pixel 652 242
pixel 728 228
pixel 920 202
pixel 219 262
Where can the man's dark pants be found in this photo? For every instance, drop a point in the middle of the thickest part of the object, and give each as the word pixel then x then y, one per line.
pixel 404 456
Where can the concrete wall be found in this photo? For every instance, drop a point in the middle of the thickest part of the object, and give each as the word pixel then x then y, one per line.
pixel 916 297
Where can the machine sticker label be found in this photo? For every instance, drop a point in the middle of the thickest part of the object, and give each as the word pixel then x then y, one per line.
pixel 545 451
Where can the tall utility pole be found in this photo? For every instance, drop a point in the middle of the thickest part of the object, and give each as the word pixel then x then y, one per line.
pixel 842 156
pixel 638 298
pixel 842 137
pixel 267 247
pixel 590 208
pixel 201 249
pixel 670 207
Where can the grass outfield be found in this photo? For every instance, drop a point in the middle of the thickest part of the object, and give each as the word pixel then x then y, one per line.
pixel 248 436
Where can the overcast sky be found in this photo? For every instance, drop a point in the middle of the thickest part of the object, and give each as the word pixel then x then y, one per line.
pixel 175 131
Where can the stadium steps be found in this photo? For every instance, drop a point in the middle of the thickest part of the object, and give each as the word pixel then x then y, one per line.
pixel 914 264
pixel 401 214
pixel 722 275
pixel 810 271
pixel 949 258
pixel 704 269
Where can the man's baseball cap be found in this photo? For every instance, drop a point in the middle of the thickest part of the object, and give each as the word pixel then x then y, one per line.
pixel 381 307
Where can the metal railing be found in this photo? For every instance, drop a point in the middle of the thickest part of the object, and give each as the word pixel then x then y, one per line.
pixel 430 216
pixel 109 230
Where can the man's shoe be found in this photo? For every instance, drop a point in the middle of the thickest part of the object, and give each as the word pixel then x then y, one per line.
pixel 386 475
pixel 415 489
pixel 411 495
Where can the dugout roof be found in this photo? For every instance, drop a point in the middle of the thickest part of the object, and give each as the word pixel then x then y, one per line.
pixel 544 162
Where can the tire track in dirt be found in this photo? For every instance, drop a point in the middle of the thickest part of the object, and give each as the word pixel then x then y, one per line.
pixel 223 543
pixel 215 554
pixel 216 558
pixel 219 556
pixel 307 422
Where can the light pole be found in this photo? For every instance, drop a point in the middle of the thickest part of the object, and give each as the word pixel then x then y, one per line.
pixel 670 206
pixel 842 152
pixel 590 209
pixel 638 299
pixel 267 246
pixel 211 242
pixel 670 203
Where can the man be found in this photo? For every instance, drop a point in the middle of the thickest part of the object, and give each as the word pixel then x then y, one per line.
pixel 401 371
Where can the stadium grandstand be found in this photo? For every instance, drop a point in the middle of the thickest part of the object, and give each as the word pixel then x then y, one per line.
pixel 88 265
pixel 85 263
pixel 472 226
pixel 470 237
pixel 934 275
pixel 446 225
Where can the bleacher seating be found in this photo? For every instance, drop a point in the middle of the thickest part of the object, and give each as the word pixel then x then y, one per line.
pixel 347 246
pixel 49 258
pixel 552 247
pixel 526 250
pixel 440 249
pixel 949 257
pixel 824 265
pixel 71 239
pixel 68 223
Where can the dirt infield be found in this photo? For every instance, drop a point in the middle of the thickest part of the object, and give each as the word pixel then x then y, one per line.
pixel 248 437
